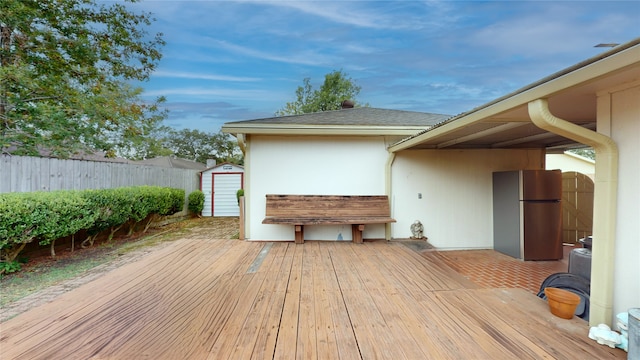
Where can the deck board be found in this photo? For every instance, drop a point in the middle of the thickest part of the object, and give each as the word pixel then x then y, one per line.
pixel 213 299
pixel 287 339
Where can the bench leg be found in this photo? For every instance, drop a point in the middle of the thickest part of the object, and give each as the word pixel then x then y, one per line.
pixel 356 231
pixel 299 234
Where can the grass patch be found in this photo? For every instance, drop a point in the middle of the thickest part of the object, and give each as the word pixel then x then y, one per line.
pixel 24 284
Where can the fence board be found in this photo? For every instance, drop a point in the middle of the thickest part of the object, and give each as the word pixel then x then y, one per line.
pixel 577 206
pixel 26 174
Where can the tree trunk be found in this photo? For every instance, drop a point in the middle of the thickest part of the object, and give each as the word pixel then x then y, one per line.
pixel 132 228
pixel 151 218
pixel 89 240
pixel 113 231
pixel 53 250
pixel 12 254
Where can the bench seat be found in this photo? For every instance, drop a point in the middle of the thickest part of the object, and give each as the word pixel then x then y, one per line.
pixel 354 210
pixel 327 220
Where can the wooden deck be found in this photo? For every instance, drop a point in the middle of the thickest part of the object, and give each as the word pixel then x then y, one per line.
pixel 228 299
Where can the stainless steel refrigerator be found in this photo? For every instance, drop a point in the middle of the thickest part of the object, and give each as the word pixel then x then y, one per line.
pixel 527 214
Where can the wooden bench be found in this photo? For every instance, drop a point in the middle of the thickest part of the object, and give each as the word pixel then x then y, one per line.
pixel 301 210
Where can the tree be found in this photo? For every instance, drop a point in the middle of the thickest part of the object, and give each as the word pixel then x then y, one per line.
pixel 336 88
pixel 65 70
pixel 199 146
pixel 152 144
pixel 588 153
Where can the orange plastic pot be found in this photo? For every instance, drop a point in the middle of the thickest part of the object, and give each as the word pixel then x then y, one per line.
pixel 562 303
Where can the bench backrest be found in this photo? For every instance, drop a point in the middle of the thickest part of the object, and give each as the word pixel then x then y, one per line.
pixel 328 205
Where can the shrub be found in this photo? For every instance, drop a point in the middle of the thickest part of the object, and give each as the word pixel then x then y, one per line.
pixel 67 213
pixel 114 207
pixel 48 216
pixel 177 197
pixel 239 193
pixel 196 202
pixel 145 203
pixel 9 267
pixel 45 216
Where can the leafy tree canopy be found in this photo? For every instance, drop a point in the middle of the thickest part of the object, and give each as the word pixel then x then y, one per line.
pixel 199 146
pixel 337 87
pixel 588 153
pixel 65 70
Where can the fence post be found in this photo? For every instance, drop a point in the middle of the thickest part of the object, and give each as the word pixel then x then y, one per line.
pixel 241 232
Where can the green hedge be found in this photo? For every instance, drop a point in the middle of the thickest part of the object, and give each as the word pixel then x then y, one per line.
pixel 196 202
pixel 47 216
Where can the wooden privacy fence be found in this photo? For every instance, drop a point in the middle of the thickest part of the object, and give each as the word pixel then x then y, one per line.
pixel 26 174
pixel 577 206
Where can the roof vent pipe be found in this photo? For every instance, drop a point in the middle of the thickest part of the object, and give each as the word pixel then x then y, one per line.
pixel 347 104
pixel 604 205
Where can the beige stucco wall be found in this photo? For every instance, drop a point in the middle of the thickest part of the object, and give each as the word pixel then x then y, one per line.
pixel 625 131
pixel 456 187
pixel 571 162
pixel 311 165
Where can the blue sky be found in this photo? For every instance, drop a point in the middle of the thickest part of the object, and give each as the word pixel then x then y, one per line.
pixel 240 60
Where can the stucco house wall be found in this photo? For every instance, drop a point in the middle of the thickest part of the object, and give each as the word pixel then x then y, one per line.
pixel 456 205
pixel 571 162
pixel 311 165
pixel 624 107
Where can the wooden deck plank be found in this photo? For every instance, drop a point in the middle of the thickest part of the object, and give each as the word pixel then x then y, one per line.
pixel 266 296
pixel 375 337
pixel 286 344
pixel 490 342
pixel 401 308
pixel 325 338
pixel 177 323
pixel 265 345
pixel 242 331
pixel 196 299
pixel 413 267
pixel 529 314
pixel 384 287
pixel 75 311
pixel 306 342
pixel 345 340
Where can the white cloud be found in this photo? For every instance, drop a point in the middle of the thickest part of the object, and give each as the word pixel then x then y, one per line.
pixel 217 93
pixel 347 12
pixel 303 57
pixel 203 76
pixel 550 30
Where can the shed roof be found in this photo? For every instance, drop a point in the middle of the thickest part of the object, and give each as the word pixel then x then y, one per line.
pixel 175 163
pixel 354 121
pixel 222 165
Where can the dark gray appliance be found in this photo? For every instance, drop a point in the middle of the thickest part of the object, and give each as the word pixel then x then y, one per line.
pixel 527 214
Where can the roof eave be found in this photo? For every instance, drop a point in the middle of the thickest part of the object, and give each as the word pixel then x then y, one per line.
pixel 293 129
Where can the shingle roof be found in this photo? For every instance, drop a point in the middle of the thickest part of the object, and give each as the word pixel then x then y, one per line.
pixel 175 163
pixel 363 116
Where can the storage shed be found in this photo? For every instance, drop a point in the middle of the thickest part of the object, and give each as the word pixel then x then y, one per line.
pixel 219 185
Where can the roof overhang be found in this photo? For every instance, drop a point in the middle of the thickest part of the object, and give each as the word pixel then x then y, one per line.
pixel 505 123
pixel 334 130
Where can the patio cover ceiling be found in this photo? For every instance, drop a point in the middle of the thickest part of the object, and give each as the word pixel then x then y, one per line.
pixel 504 123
